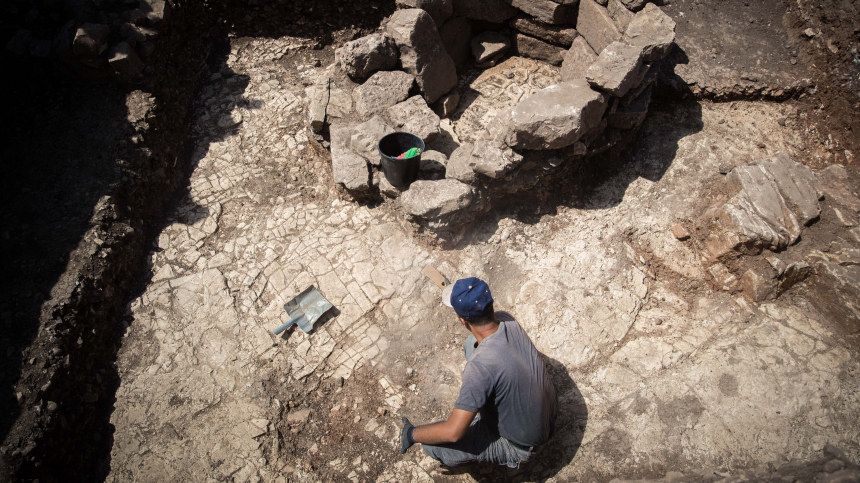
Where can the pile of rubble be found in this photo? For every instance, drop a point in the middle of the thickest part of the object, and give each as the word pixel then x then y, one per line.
pixel 598 98
pixel 98 39
pixel 770 204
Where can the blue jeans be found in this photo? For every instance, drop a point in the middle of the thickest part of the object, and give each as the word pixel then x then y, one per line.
pixel 481 442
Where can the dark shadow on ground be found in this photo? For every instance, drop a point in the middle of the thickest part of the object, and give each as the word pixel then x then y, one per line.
pixel 555 454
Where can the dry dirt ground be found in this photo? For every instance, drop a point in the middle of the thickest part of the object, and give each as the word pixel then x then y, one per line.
pixel 656 370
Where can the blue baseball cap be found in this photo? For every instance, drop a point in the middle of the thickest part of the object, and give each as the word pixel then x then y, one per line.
pixel 468 297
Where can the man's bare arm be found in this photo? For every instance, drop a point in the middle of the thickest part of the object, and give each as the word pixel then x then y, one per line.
pixel 449 431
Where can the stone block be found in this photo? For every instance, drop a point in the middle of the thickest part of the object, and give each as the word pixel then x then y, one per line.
pixel 365 138
pixel 797 184
pixel 433 165
pixel 577 60
pixel 439 10
pixel 616 68
pixel 422 53
pixel 125 61
pixel 383 90
pixel 548 11
pixel 538 49
pixel 155 11
pixel 456 37
pixel 758 285
pixel 362 57
pixel 433 199
pixel 550 33
pixel 348 169
pixel 495 11
pixel 90 40
pixel 319 95
pixel 413 115
pixel 447 104
pixel 555 117
pixel 482 157
pixel 489 45
pixel 652 30
pixel 620 14
pixel 595 24
pixel 634 5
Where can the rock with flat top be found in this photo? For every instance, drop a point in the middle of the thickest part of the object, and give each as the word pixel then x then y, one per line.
pixel 620 14
pixel 652 30
pixel 560 35
pixel 413 115
pixel 155 11
pixel 596 25
pixel 489 45
pixel 634 5
pixel 348 168
pixel 538 49
pixel 494 11
pixel 433 165
pixel 422 53
pixel 775 198
pixel 447 104
pixel 616 68
pixel 547 11
pixel 482 157
pixel 439 10
pixel 555 117
pixel 362 57
pixel 835 185
pixel 577 60
pixel 365 138
pixel 433 199
pixel 381 91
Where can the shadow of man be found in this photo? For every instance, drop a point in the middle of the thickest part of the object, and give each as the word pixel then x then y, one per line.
pixel 558 452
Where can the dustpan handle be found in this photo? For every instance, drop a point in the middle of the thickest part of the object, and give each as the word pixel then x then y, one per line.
pixel 286 326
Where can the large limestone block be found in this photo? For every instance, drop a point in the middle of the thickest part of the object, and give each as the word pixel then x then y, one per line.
pixel 652 30
pixel 439 10
pixel 348 168
pixel 363 56
pixel 319 96
pixel 548 11
pixel 415 116
pixel 495 11
pixel 835 185
pixel 774 199
pixel 797 184
pixel 482 157
pixel 433 199
pixel 383 90
pixel 620 14
pixel 422 53
pixel 560 35
pixel 538 49
pixel 596 26
pixel 456 37
pixel 488 45
pixel 616 68
pixel 365 138
pixel 555 117
pixel 577 60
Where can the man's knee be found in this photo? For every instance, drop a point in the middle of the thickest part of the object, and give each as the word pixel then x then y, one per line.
pixel 447 456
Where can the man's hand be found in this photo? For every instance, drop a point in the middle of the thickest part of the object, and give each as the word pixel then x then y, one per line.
pixel 406 436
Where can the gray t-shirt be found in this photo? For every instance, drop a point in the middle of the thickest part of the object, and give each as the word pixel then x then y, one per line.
pixel 507 382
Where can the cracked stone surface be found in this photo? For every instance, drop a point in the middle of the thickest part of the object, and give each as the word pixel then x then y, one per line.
pixel 654 373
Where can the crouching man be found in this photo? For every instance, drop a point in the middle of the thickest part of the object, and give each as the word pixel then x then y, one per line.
pixel 507 405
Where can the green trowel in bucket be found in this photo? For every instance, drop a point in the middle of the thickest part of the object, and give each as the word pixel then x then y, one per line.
pixel 305 309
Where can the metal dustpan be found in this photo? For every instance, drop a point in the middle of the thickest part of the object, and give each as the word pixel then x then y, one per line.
pixel 305 309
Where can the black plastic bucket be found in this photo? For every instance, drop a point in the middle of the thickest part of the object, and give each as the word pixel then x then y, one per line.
pixel 400 172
